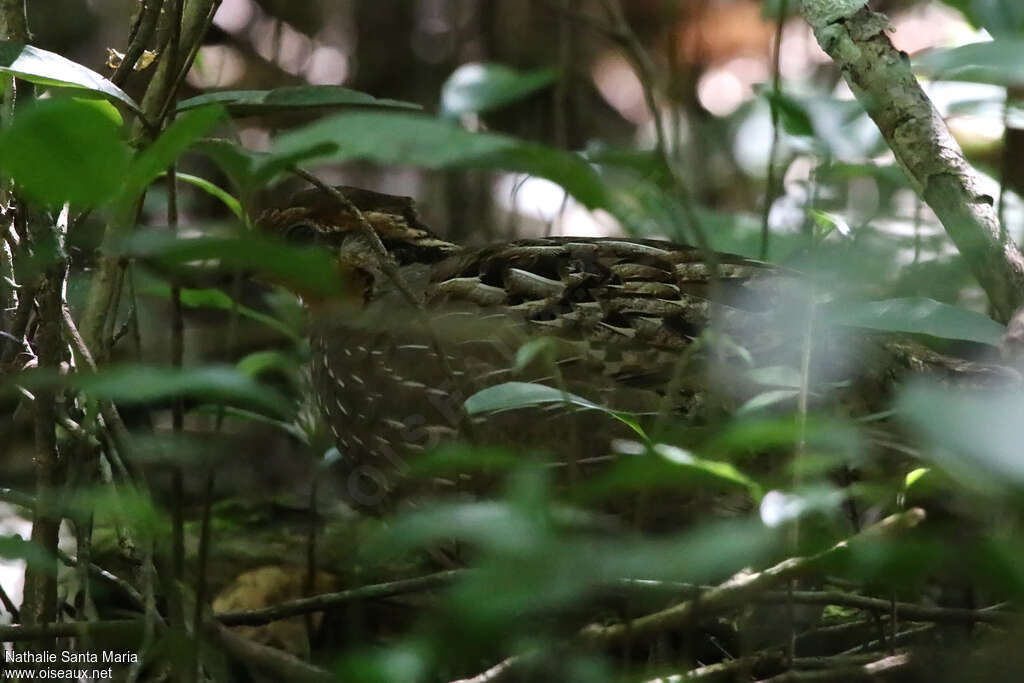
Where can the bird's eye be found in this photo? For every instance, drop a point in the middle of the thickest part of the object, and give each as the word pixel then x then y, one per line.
pixel 303 234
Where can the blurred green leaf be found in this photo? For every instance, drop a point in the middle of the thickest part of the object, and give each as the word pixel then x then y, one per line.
pixel 311 271
pixel 767 399
pixel 218 450
pixel 65 150
pixel 479 87
pixel 262 102
pixel 385 665
pixel 753 434
pixel 225 197
pixel 49 68
pixel 388 138
pixel 792 115
pixel 16 548
pixel 166 149
pixel 1002 18
pixel 258 362
pixel 914 476
pixel 513 395
pixel 827 223
pixel 462 459
pixel 215 298
pixel 775 376
pixel 238 163
pixel 997 62
pixel 122 504
pixel 542 347
pixel 664 467
pixel 976 436
pixel 916 315
pixel 138 383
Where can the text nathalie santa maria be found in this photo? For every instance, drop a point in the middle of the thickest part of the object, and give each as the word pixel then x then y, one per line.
pixel 68 657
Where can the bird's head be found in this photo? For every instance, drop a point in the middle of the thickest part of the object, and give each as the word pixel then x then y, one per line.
pixel 317 218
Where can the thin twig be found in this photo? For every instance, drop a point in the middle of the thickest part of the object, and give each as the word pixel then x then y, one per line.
pixel 142 32
pixel 736 591
pixel 773 150
pixel 325 601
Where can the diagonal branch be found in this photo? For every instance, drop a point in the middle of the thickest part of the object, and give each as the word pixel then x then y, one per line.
pixel 881 78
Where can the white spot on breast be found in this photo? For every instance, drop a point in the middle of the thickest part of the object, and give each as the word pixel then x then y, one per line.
pixel 341 407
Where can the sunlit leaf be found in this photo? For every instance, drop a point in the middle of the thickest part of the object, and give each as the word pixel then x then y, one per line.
pixel 914 476
pixel 260 102
pixel 478 87
pixel 49 68
pixel 916 316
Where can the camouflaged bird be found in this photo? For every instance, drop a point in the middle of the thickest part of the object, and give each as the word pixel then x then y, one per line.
pixel 414 333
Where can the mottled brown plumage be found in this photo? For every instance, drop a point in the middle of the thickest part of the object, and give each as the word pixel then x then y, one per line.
pixel 391 375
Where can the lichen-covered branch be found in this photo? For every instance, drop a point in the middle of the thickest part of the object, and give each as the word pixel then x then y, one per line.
pixel 13 24
pixel 880 76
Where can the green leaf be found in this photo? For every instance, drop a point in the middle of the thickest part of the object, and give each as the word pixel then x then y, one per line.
pixel 214 190
pixel 997 63
pixel 65 150
pixel 514 395
pixel 14 547
pixel 260 102
pixel 308 270
pixel 238 163
pixel 542 347
pixel 478 87
pixel 405 139
pixel 914 476
pixel 134 383
pixel 215 298
pixel 827 223
pixel 792 114
pixel 976 436
pixel 664 466
pixel 916 316
pixel 258 362
pixel 49 68
pixel 166 149
pixel 1002 18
